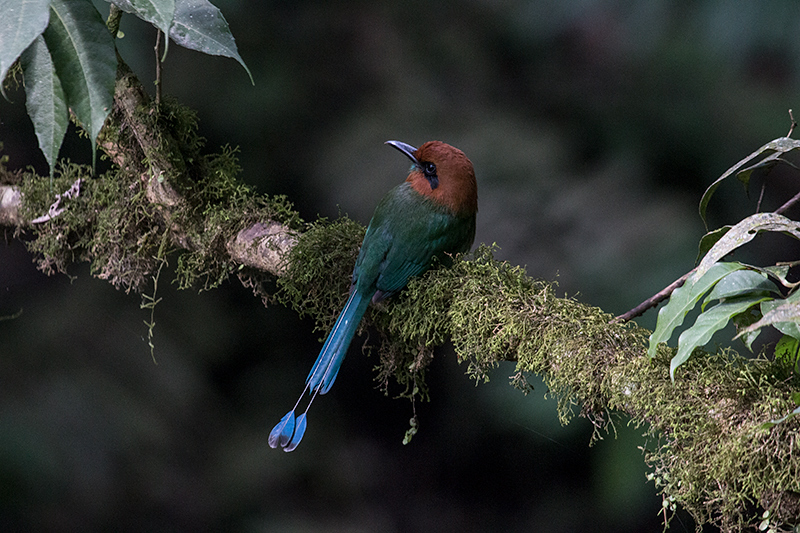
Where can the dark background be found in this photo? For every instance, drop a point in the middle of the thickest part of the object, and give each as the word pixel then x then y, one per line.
pixel 594 128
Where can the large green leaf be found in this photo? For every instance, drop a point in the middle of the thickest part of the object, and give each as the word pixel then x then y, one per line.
pixel 85 60
pixel 21 21
pixel 683 300
pixel 159 13
pixel 773 150
pixel 783 315
pixel 199 25
pixel 739 283
pixel 45 100
pixel 708 323
pixel 744 232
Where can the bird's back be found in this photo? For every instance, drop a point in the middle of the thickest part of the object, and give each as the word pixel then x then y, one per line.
pixel 407 231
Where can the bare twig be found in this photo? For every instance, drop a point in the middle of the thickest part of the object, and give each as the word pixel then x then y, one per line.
pixel 654 300
pixel 761 196
pixel 667 291
pixel 793 200
pixel 158 67
pixel 10 202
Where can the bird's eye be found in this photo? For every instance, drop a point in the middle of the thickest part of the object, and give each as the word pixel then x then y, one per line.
pixel 429 169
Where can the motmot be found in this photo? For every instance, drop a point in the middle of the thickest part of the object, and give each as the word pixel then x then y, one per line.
pixel 427 218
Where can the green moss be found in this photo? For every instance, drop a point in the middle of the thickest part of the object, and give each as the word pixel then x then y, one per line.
pixel 218 206
pixel 709 452
pixel 109 224
pixel 317 280
pixel 121 232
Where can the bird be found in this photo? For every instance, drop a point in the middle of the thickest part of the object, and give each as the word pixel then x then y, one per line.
pixel 428 218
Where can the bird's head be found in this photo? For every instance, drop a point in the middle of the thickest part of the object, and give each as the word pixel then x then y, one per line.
pixel 444 174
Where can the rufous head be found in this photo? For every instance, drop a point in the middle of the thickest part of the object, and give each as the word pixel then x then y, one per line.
pixel 444 174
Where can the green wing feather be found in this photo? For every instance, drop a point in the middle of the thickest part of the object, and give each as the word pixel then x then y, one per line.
pixel 406 232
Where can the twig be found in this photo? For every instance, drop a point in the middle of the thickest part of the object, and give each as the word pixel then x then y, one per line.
pixel 158 68
pixel 761 196
pixel 793 200
pixel 10 204
pixel 667 291
pixel 654 300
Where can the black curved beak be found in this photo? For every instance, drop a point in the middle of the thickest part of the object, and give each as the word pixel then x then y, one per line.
pixel 405 148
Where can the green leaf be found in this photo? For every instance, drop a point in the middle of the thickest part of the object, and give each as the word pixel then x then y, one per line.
pixel 159 13
pixel 773 423
pixel 739 283
pixel 786 350
pixel 45 100
pixel 768 163
pixel 85 59
pixel 745 319
pixel 199 25
pixel 22 21
pixel 707 324
pixel 683 299
pixel 781 272
pixel 744 232
pixel 783 315
pixel 709 240
pixel 780 145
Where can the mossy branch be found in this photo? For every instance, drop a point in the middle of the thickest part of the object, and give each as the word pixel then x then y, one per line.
pixel 708 451
pixel 161 182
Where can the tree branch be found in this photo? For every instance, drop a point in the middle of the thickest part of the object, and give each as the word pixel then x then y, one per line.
pixel 709 453
pixel 145 149
pixel 10 201
pixel 654 300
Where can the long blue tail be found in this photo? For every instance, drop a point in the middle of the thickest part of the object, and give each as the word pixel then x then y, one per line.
pixel 288 432
pixel 330 358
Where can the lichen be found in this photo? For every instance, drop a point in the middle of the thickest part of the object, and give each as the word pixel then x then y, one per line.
pixel 109 224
